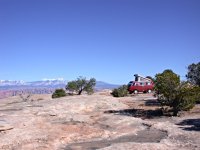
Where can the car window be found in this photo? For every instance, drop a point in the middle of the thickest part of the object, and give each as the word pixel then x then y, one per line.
pixel 130 83
pixel 141 83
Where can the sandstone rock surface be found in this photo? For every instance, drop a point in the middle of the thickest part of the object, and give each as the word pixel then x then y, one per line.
pixel 97 121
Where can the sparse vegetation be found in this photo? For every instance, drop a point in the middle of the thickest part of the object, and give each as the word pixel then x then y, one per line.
pixel 173 93
pixel 81 84
pixel 120 92
pixel 59 93
pixel 196 91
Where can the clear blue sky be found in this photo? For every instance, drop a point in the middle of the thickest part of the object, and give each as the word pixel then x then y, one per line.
pixel 110 40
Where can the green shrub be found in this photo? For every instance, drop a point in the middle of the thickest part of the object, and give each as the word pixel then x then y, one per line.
pixel 171 92
pixel 193 74
pixel 196 92
pixel 165 85
pixel 59 93
pixel 185 98
pixel 120 92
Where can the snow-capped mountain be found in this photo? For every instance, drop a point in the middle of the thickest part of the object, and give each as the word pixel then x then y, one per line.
pixel 11 83
pixel 47 83
pixel 43 83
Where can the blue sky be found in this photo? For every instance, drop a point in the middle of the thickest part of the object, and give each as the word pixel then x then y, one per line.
pixel 110 40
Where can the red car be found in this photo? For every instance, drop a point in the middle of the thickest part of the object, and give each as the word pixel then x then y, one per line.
pixel 140 86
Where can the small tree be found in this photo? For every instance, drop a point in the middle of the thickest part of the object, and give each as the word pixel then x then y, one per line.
pixel 72 86
pixel 120 92
pixel 171 92
pixel 193 74
pixel 81 84
pixel 165 86
pixel 59 93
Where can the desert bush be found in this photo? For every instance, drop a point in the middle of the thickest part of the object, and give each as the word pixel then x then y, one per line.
pixel 80 85
pixel 196 92
pixel 59 93
pixel 165 85
pixel 173 93
pixel 184 99
pixel 120 92
pixel 193 74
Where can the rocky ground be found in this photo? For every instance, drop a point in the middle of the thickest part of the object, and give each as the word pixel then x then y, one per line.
pixel 98 121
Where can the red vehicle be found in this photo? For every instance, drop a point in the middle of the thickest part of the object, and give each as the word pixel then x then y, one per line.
pixel 140 84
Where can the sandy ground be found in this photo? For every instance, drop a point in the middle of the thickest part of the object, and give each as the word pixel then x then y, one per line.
pixel 97 121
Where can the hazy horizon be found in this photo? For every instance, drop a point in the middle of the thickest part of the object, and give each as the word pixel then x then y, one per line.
pixel 56 79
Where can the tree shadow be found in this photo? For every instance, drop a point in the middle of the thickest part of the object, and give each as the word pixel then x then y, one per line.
pixel 197 102
pixel 139 113
pixel 190 124
pixel 152 102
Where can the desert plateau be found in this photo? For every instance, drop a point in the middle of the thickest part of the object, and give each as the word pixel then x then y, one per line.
pixel 98 121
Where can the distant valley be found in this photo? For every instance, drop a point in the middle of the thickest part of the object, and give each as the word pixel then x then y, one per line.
pixel 12 88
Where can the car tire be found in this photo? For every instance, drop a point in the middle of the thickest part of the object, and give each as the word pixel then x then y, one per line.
pixel 135 91
pixel 149 91
pixel 130 92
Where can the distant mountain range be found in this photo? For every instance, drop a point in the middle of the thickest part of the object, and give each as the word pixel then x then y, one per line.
pixel 53 83
pixel 43 83
pixel 12 88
